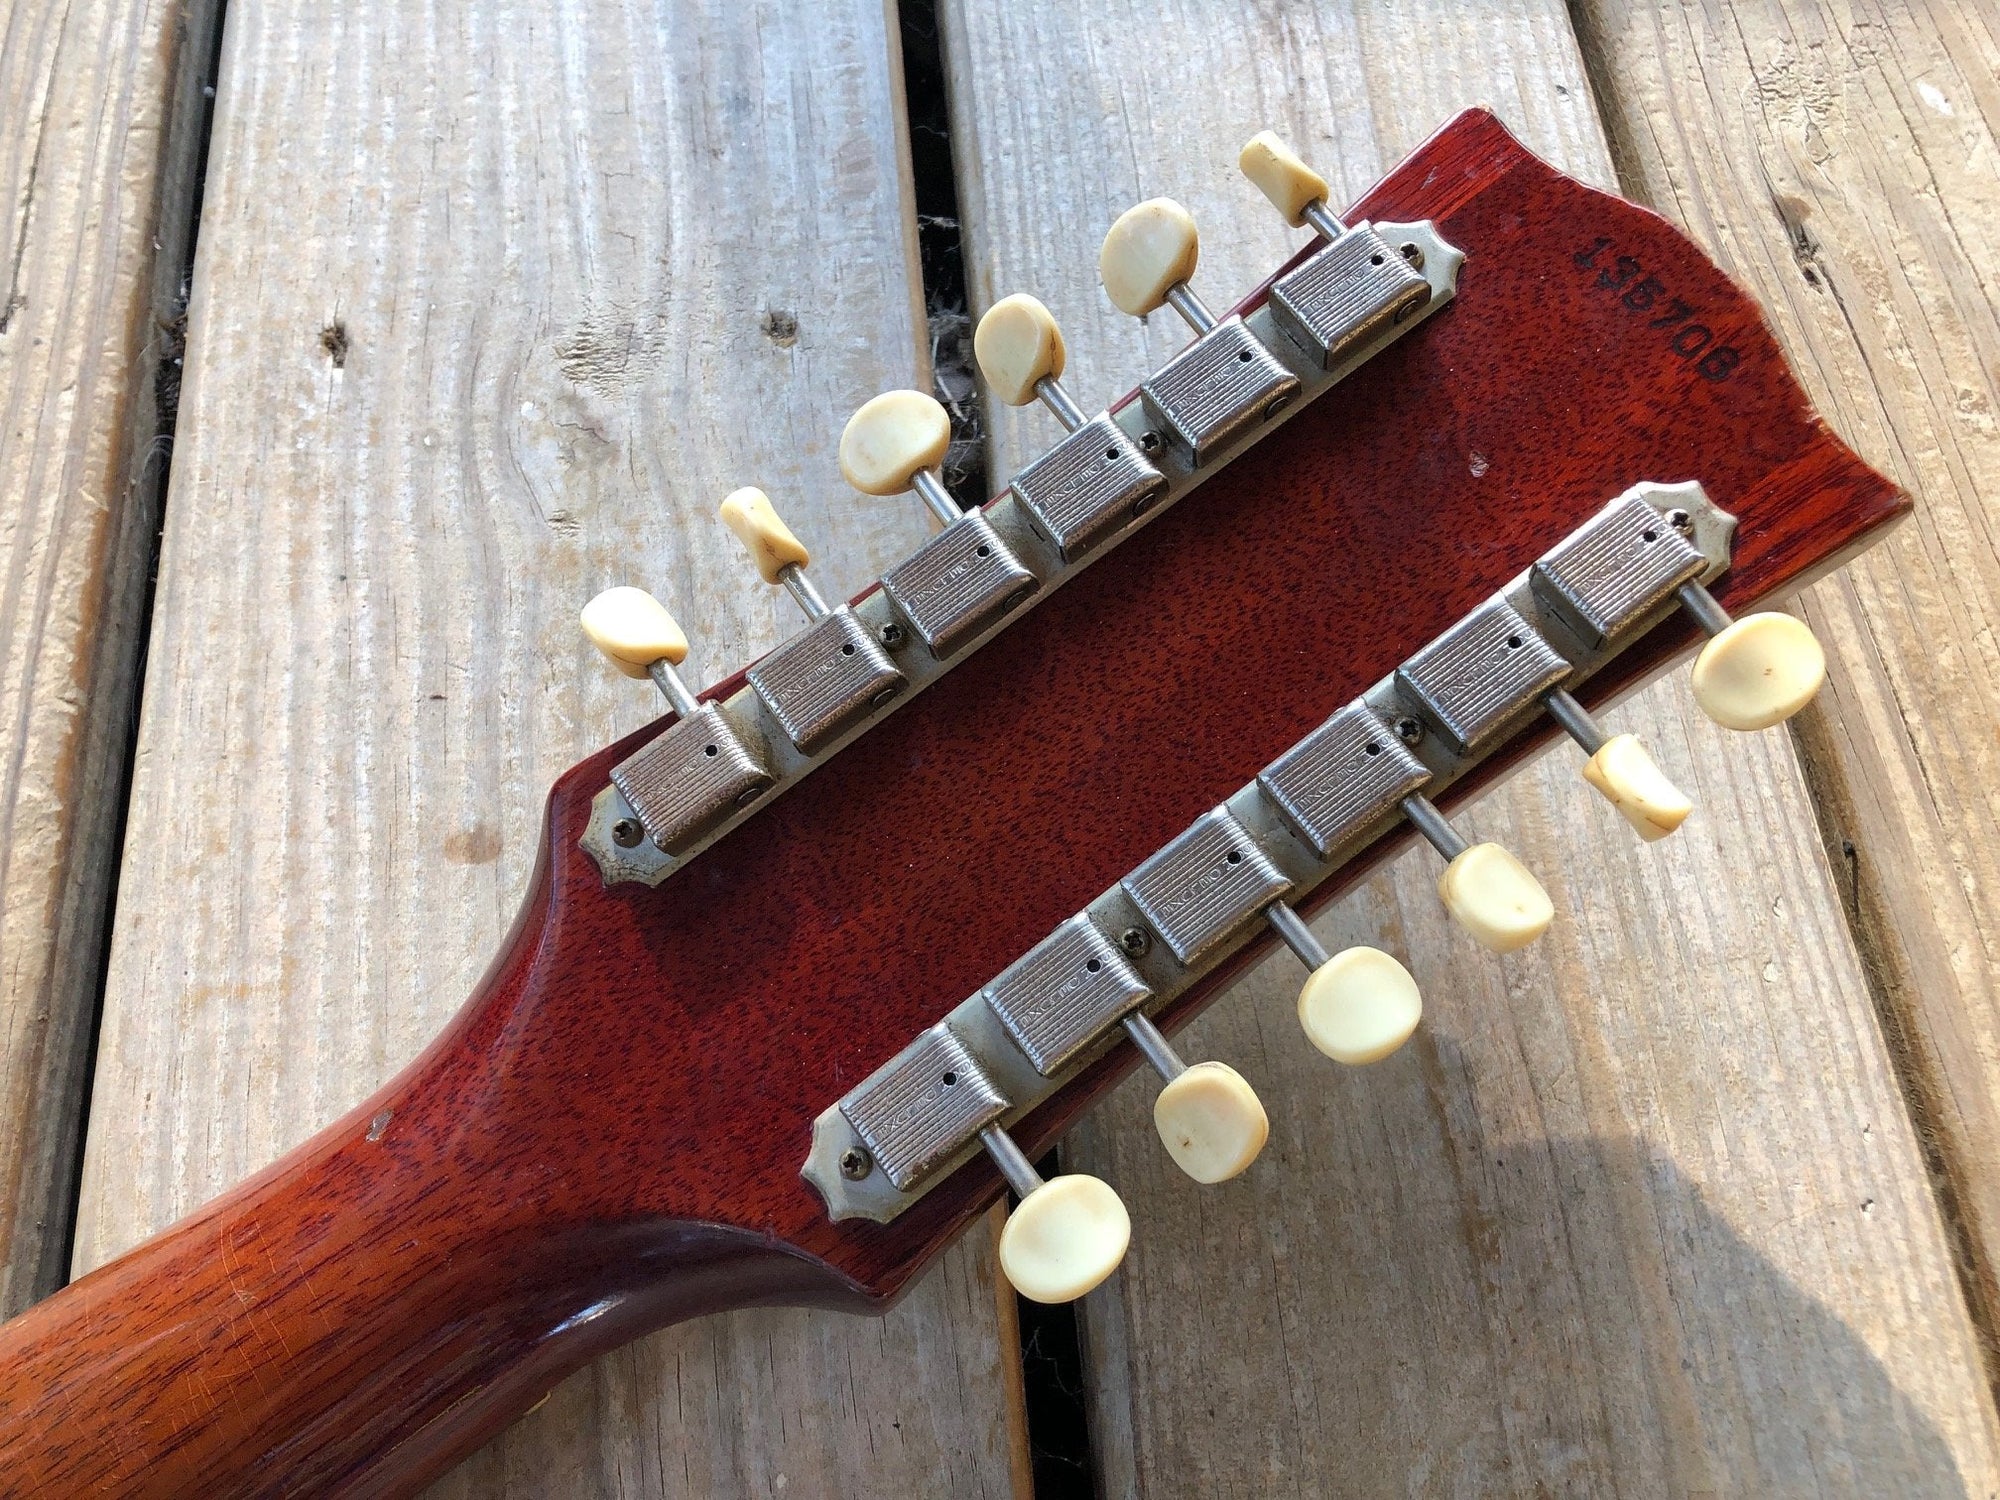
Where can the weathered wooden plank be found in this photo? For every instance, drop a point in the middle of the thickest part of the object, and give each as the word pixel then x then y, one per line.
pixel 1841 160
pixel 100 109
pixel 493 302
pixel 1640 1211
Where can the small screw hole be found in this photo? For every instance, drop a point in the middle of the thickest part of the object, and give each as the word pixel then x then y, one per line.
pixel 1372 748
pixel 710 750
pixel 1094 965
pixel 1375 259
pixel 1649 537
pixel 1236 856
pixel 1513 643
pixel 950 1080
pixel 1244 357
pixel 984 551
pixel 848 649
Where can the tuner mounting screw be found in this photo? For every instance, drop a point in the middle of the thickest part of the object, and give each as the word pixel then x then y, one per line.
pixel 626 833
pixel 1413 253
pixel 892 635
pixel 855 1164
pixel 1135 941
pixel 1150 441
pixel 1409 731
pixel 1680 520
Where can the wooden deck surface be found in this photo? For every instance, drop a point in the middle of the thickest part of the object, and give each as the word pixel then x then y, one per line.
pixel 492 301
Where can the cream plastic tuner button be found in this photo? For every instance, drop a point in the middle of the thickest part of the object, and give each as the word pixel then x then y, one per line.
pixel 1493 896
pixel 1065 1238
pixel 1150 250
pixel 634 630
pixel 891 439
pixel 769 541
pixel 1211 1122
pixel 1359 1006
pixel 1758 672
pixel 1626 775
pixel 1018 346
pixel 1279 175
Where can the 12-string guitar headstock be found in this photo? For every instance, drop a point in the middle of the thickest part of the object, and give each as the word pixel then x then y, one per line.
pixel 813 968
pixel 1426 709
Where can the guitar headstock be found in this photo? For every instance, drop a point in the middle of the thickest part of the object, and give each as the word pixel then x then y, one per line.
pixel 865 928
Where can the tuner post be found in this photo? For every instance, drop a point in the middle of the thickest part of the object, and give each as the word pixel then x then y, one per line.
pixel 1295 189
pixel 1147 259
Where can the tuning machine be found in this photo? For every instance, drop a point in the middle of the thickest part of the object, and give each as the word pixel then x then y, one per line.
pixel 1223 385
pixel 1093 483
pixel 830 676
pixel 700 769
pixel 962 581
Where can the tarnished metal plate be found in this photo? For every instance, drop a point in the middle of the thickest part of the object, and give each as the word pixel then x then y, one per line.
pixel 1608 573
pixel 825 680
pixel 1088 488
pixel 1340 778
pixel 1351 292
pixel 1217 389
pixel 1205 887
pixel 690 778
pixel 1064 993
pixel 1480 675
pixel 924 1104
pixel 957 584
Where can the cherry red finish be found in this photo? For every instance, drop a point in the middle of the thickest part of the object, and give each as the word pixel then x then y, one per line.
pixel 609 1136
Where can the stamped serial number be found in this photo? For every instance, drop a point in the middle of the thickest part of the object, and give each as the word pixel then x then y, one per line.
pixel 1640 291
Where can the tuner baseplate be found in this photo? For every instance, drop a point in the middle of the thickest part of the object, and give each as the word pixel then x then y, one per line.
pixel 914 640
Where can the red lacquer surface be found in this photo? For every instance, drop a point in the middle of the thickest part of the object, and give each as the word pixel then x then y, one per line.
pixel 609 1136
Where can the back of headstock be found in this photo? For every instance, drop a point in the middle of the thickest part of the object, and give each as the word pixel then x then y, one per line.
pixel 1590 347
pixel 611 1135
